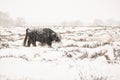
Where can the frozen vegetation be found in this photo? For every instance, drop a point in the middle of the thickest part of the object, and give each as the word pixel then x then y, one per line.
pixel 84 53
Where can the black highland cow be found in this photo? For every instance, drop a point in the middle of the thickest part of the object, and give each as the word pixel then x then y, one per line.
pixel 43 35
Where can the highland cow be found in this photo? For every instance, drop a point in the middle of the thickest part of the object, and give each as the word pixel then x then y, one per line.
pixel 43 35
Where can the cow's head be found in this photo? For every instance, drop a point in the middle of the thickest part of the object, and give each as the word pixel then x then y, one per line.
pixel 56 37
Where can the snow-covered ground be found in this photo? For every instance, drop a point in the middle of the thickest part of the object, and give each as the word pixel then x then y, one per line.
pixel 84 53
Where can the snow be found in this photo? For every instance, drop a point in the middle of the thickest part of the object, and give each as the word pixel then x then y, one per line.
pixel 71 59
pixel 38 70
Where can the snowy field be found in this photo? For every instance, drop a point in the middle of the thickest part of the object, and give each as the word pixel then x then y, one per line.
pixel 84 53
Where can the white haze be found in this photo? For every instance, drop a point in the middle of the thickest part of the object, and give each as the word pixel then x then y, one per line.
pixel 56 11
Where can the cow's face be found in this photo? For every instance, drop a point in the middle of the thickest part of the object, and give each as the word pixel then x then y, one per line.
pixel 56 37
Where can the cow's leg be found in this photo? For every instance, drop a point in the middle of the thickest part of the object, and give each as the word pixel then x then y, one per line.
pixel 34 43
pixel 49 44
pixel 42 44
pixel 29 43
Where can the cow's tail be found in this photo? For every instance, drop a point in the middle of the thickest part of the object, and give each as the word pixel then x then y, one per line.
pixel 26 37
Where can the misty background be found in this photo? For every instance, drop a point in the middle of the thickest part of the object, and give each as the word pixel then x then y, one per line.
pixel 60 12
pixel 7 20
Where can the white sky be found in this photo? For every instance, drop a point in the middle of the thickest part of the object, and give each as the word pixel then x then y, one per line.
pixel 62 10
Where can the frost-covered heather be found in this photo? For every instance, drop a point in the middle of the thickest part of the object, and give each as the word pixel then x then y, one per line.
pixel 84 53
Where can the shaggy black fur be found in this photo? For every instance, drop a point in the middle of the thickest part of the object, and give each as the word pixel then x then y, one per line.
pixel 45 36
